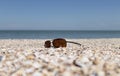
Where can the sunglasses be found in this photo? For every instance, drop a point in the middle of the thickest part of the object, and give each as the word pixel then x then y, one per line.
pixel 56 43
pixel 59 42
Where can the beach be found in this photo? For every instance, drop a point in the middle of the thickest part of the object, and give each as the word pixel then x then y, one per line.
pixel 29 57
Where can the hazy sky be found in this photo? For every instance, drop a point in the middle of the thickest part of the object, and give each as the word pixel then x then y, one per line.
pixel 60 14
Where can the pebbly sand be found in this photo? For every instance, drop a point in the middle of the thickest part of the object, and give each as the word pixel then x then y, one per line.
pixel 28 57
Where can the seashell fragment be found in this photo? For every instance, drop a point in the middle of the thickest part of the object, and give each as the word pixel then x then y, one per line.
pixel 37 74
pixel 36 65
pixel 82 61
pixel 30 57
pixel 19 72
pixel 96 61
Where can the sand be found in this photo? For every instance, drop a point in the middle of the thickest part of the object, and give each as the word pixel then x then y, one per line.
pixel 28 57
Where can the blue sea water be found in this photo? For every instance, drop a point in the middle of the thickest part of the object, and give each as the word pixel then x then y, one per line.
pixel 58 34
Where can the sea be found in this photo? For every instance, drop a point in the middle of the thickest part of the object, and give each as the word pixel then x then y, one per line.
pixel 51 34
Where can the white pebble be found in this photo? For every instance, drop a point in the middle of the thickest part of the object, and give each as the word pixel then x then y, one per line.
pixel 37 74
pixel 84 59
pixel 36 65
pixel 101 73
pixel 29 70
pixel 8 63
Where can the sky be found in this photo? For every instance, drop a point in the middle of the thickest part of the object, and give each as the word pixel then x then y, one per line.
pixel 59 14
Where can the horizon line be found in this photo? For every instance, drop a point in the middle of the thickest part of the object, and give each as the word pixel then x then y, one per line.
pixel 51 30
